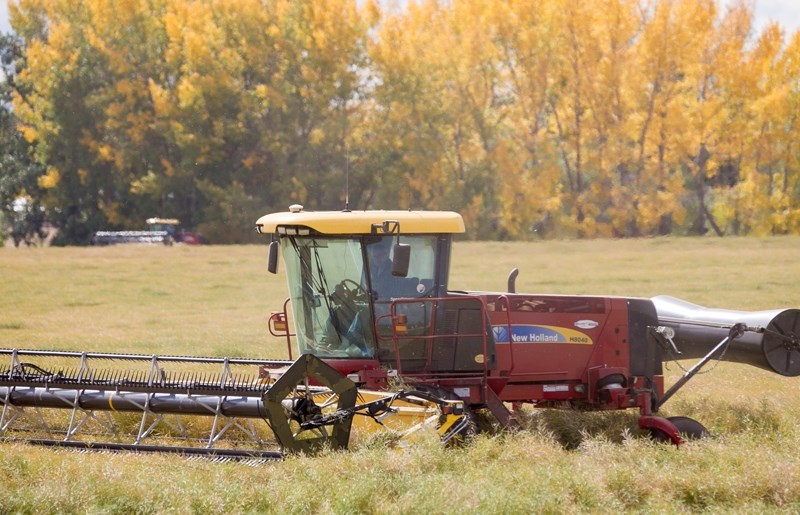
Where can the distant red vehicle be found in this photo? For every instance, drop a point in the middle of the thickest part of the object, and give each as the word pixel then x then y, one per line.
pixel 172 226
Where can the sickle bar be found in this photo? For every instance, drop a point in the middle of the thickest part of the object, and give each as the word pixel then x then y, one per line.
pixel 38 388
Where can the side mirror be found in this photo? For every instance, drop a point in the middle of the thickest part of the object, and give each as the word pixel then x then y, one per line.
pixel 272 262
pixel 400 259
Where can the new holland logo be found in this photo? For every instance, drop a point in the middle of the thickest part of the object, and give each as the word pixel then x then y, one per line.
pixel 586 324
pixel 539 334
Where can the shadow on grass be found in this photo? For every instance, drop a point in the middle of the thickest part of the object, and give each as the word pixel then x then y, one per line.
pixel 570 427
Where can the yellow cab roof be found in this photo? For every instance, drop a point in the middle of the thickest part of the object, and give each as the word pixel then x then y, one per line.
pixel 361 222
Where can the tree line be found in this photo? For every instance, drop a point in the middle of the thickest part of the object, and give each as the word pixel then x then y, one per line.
pixel 610 118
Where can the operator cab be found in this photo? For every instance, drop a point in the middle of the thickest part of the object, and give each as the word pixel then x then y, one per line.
pixel 369 284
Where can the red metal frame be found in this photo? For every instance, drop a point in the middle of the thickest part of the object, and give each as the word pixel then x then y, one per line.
pixel 541 373
pixel 281 317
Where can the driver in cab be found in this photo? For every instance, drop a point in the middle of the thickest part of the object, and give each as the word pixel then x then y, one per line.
pixel 347 328
pixel 380 269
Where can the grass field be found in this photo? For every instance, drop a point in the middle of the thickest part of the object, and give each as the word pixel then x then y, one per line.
pixel 214 301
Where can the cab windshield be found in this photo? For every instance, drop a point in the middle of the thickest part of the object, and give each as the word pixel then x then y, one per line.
pixel 338 286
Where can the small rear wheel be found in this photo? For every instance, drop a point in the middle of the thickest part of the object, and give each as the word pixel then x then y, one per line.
pixel 689 428
pixel 657 435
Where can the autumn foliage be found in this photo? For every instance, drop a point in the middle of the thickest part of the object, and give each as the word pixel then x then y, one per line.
pixel 532 119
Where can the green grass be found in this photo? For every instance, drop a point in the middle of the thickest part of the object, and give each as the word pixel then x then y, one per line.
pixel 214 301
pixel 148 299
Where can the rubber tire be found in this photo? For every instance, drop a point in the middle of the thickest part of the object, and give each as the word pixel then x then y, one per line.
pixel 689 428
pixel 659 436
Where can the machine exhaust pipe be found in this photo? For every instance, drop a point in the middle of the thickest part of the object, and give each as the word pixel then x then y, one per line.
pixel 771 341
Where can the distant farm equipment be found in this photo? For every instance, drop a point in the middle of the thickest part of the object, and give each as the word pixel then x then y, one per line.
pixel 159 230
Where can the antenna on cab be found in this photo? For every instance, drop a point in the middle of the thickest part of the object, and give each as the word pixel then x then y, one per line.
pixel 346 180
pixel 346 164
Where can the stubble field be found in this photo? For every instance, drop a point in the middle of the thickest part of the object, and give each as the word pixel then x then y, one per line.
pixel 213 301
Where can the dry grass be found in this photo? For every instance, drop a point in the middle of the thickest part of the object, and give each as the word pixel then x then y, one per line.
pixel 147 299
pixel 214 301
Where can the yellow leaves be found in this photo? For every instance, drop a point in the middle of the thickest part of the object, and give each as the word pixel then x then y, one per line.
pixel 50 179
pixel 29 133
pixel 168 168
pixel 189 95
pixel 251 161
pixel 372 12
pixel 586 116
pixel 316 136
pixel 196 41
pixel 269 97
pixel 111 210
pixel 319 38
pixel 307 73
pixel 125 88
pixel 162 102
pixel 174 25
pixel 197 51
pixel 147 184
pixel 105 152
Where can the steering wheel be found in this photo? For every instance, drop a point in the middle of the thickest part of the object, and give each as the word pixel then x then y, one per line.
pixel 352 291
pixel 348 299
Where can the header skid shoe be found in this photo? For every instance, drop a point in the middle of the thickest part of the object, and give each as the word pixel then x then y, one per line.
pixel 301 397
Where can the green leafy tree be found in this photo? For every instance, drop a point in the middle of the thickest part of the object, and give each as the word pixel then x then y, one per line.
pixel 58 116
pixel 20 193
